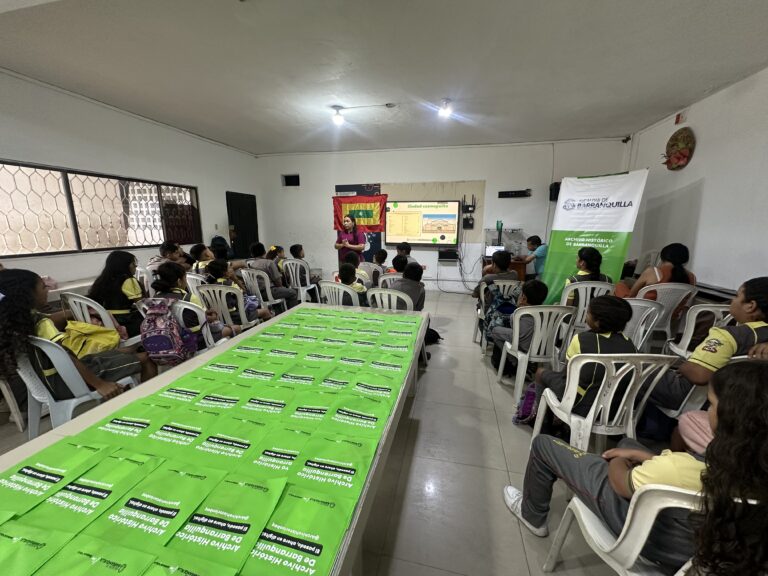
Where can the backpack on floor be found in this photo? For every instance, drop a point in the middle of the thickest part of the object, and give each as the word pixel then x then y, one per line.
pixel 164 339
pixel 526 408
pixel 432 336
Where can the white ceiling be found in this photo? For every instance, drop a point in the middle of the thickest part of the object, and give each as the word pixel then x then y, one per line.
pixel 260 75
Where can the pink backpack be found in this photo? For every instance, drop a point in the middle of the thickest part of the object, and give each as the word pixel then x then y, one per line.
pixel 164 339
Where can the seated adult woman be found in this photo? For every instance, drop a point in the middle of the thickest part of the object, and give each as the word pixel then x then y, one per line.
pixel 671 269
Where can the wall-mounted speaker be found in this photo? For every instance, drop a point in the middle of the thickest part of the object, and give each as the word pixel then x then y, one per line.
pixel 554 191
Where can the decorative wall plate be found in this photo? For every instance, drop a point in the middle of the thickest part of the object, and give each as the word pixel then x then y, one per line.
pixel 680 147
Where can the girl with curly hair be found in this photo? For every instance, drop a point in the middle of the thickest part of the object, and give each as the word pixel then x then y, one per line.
pixel 22 293
pixel 728 537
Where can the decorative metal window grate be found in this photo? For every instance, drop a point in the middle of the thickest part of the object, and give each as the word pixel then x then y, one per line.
pixel 45 210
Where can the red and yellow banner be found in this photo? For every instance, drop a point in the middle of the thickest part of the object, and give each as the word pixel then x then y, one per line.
pixel 369 212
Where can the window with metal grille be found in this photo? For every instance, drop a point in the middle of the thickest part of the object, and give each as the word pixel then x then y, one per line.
pixel 50 210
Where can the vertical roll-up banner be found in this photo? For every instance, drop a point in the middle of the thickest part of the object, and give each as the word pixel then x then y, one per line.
pixel 597 211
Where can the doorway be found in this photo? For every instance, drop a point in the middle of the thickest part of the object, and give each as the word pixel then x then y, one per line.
pixel 243 223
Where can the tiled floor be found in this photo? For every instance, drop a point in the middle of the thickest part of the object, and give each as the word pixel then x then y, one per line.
pixel 439 509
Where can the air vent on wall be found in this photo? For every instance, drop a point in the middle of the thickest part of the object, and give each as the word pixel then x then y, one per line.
pixel 291 180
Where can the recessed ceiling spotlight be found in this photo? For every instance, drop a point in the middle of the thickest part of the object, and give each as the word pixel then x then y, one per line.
pixel 338 118
pixel 445 109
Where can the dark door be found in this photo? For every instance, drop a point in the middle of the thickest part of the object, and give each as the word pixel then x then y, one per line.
pixel 243 226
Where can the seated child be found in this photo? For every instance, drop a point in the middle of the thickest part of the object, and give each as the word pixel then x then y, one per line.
pixel 353 259
pixel 169 252
pixel 23 293
pixel 399 263
pixel 277 255
pixel 588 262
pixel 220 272
pixel 606 317
pixel 171 283
pixel 412 285
pixel 534 293
pixel 750 310
pixel 404 249
pixel 277 286
pixel 380 267
pixel 348 277
pixel 297 251
pixel 499 270
pixel 728 533
pixel 202 255
pixel 117 289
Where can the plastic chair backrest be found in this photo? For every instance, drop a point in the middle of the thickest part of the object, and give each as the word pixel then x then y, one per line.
pixel 369 268
pixel 145 279
pixel 79 305
pixel 507 287
pixel 193 281
pixel 720 314
pixel 586 291
pixel 142 307
pixel 257 283
pixel 389 299
pixel 670 295
pixel 292 268
pixel 546 322
pixel 214 297
pixel 646 504
pixel 386 279
pixel 645 317
pixel 333 293
pixel 180 306
pixel 630 370
pixel 62 363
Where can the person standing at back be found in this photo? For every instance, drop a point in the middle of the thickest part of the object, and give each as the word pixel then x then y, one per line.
pixel 350 239
pixel 537 253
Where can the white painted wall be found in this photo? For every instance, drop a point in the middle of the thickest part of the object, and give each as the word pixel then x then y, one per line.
pixel 305 215
pixel 46 126
pixel 718 204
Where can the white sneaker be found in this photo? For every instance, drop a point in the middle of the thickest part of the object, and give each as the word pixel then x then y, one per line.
pixel 513 498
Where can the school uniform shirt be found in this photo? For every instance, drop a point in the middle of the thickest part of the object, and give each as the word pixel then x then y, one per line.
pixel 590 379
pixel 120 305
pixel 411 259
pixel 490 278
pixel 268 266
pixel 582 276
pixel 413 289
pixel 678 469
pixel 200 266
pixel 539 258
pixel 724 343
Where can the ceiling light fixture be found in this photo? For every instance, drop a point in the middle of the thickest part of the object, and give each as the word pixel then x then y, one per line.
pixel 445 109
pixel 338 117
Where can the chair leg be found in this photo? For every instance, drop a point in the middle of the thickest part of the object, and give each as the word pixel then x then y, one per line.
pixel 34 409
pixel 557 543
pixel 477 330
pixel 540 414
pixel 502 363
pixel 522 368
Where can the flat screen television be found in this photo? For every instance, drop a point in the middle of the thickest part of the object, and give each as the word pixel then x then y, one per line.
pixel 423 223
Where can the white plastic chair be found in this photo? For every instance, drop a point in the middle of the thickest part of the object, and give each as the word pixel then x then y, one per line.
pixel 180 306
pixel 389 299
pixel 333 293
pixel 145 279
pixel 80 305
pixel 622 553
pixel 369 268
pixel 10 399
pixel 386 279
pixel 670 295
pixel 634 370
pixel 645 317
pixel 546 322
pixel 193 281
pixel 583 292
pixel 293 268
pixel 506 289
pixel 720 315
pixel 257 283
pixel 214 297
pixel 37 391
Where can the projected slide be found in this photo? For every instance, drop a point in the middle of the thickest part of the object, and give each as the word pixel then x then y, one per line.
pixel 434 223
